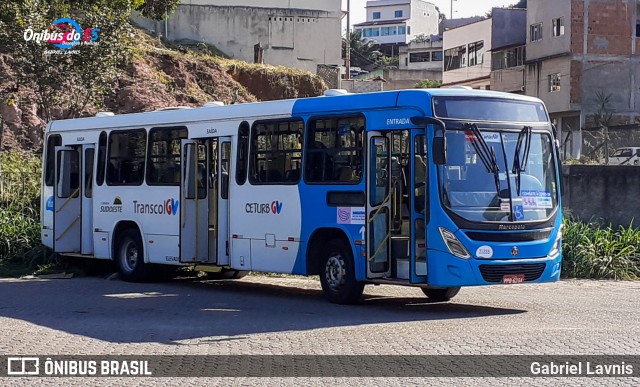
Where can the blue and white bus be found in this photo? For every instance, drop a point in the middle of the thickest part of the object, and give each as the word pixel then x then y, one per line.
pixel 436 189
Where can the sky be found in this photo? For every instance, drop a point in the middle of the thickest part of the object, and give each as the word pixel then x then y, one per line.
pixel 461 8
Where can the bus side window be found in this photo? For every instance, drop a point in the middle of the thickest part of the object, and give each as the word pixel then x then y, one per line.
pixel 276 154
pixel 243 153
pixel 164 155
pixel 102 158
pixel 334 150
pixel 127 151
pixel 53 141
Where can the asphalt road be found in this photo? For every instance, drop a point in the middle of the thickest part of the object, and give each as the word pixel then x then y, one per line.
pixel 271 315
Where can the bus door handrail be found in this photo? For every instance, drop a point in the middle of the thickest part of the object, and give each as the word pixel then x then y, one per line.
pixel 68 199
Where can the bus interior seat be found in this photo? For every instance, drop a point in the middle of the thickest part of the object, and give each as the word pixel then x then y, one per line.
pixel 346 174
pixel 292 175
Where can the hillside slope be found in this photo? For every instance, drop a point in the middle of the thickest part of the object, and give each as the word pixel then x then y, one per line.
pixel 158 75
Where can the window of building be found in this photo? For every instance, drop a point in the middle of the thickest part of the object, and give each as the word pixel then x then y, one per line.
pixel 102 158
pixel 398 13
pixel 408 30
pixel 126 157
pixel 419 57
pixel 53 141
pixel 436 56
pixel 164 155
pixel 455 58
pixel 554 82
pixel 402 30
pixel 243 153
pixel 476 52
pixel 508 58
pixel 535 32
pixel 376 15
pixel 386 31
pixel 557 27
pixel 334 150
pixel 276 156
pixel 638 29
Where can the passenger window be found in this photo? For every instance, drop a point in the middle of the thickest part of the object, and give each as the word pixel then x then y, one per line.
pixel 164 155
pixel 53 141
pixel 126 157
pixel 276 152
pixel 243 153
pixel 334 150
pixel 102 158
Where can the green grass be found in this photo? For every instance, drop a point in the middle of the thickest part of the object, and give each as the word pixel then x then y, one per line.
pixel 600 252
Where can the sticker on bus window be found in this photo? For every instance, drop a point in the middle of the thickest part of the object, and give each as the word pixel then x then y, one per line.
pixel 351 215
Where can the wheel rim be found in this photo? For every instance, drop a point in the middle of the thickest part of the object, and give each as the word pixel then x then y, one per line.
pixel 129 255
pixel 335 272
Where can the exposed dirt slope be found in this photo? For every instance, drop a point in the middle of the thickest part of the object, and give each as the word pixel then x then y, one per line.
pixel 157 76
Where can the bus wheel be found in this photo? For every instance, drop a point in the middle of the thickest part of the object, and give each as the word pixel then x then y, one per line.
pixel 338 277
pixel 130 256
pixel 441 295
pixel 226 274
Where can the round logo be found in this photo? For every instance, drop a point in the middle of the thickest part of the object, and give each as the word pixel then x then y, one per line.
pixel 484 252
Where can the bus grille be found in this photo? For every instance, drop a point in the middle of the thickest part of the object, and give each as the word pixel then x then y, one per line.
pixel 512 237
pixel 494 273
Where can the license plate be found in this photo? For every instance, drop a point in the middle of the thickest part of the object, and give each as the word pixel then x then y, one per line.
pixel 511 279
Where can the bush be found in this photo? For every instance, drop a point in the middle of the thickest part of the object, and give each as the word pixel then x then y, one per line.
pixel 593 251
pixel 20 249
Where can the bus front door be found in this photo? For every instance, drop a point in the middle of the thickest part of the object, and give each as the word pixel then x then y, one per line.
pixel 68 201
pixel 194 207
pixel 378 206
pixel 419 199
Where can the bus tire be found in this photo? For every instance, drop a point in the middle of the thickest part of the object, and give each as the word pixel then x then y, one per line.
pixel 129 255
pixel 226 274
pixel 338 275
pixel 441 295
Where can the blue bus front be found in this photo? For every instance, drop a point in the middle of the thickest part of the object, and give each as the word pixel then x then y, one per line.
pixel 495 209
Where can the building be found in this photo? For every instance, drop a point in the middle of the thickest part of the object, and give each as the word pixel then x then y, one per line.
pixel 582 59
pixel 394 23
pixel 422 54
pixel 467 59
pixel 292 33
pixel 508 42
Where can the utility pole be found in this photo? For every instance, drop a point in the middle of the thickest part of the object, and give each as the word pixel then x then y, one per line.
pixel 348 64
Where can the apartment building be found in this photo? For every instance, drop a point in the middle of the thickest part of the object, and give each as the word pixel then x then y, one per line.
pixel 582 58
pixel 394 23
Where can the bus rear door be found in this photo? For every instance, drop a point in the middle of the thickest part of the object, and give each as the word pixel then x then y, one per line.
pixel 194 206
pixel 68 201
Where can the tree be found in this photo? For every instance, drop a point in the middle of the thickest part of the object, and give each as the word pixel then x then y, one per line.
pixel 67 81
pixel 363 51
pixel 428 84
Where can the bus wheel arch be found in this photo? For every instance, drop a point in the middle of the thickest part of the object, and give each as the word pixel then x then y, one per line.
pixel 128 252
pixel 331 257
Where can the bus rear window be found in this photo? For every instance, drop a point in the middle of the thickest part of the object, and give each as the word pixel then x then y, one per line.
pixel 489 109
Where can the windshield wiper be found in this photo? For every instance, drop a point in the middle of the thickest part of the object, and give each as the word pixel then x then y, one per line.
pixel 487 154
pixel 520 165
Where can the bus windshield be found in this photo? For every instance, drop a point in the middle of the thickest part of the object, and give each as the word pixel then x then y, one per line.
pixel 499 176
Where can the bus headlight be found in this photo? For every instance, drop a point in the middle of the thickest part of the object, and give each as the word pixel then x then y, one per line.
pixel 453 244
pixel 555 250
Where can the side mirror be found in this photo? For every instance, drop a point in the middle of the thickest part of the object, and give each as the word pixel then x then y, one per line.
pixel 439 142
pixel 440 150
